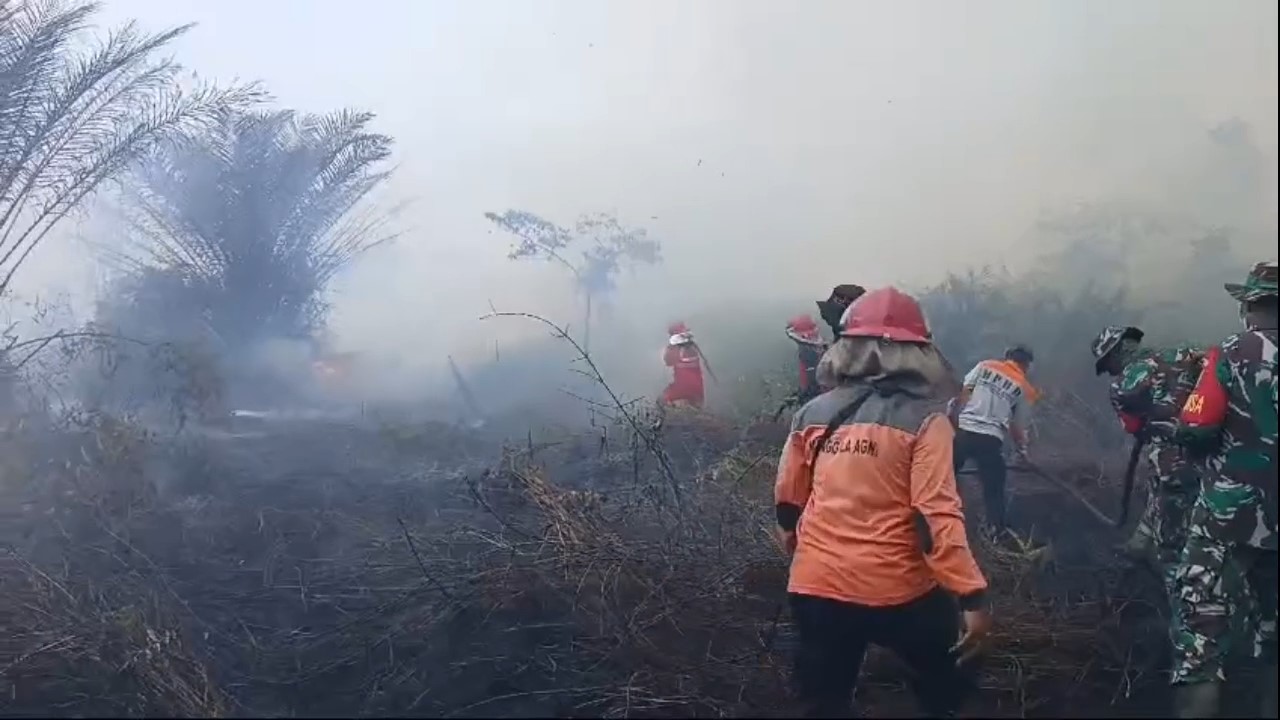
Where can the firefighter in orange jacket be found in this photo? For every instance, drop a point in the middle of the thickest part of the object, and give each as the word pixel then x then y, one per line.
pixel 867 505
pixel 685 361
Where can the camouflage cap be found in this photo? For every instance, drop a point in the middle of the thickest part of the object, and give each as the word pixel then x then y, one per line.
pixel 1109 339
pixel 1260 283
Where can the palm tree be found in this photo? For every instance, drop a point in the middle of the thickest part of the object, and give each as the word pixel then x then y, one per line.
pixel 250 223
pixel 74 115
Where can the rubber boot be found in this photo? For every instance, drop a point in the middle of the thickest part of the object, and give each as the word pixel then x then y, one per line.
pixel 1196 700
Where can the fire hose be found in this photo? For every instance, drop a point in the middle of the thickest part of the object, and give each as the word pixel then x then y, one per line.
pixel 1135 453
pixel 788 402
pixel 705 363
pixel 1061 485
pixel 1130 470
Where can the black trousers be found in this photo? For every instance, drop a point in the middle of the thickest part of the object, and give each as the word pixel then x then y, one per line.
pixel 834 637
pixel 987 452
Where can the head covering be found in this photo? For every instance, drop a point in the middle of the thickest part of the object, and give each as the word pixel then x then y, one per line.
pixel 832 309
pixel 1260 283
pixel 1109 339
pixel 918 368
pixel 803 329
pixel 886 313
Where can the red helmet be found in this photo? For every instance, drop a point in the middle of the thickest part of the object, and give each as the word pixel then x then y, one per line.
pixel 886 313
pixel 676 328
pixel 803 327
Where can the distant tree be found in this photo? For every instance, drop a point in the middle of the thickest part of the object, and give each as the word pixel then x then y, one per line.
pixel 242 230
pixel 73 117
pixel 609 248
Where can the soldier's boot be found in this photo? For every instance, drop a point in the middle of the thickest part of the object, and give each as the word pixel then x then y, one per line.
pixel 1197 700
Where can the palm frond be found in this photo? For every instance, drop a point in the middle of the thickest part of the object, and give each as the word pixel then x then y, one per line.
pixel 261 213
pixel 71 119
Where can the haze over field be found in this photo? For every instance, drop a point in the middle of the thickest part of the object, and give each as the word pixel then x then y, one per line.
pixel 774 149
pixel 255 461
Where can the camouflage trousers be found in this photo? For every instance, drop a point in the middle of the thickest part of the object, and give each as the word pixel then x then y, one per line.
pixel 1172 487
pixel 1161 534
pixel 1228 598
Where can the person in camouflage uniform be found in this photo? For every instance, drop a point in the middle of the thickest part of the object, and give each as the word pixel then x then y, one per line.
pixel 1228 567
pixel 1147 392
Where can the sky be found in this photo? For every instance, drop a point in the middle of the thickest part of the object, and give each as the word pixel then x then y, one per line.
pixel 775 148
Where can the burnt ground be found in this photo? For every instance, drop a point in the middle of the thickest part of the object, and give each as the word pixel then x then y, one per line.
pixel 430 570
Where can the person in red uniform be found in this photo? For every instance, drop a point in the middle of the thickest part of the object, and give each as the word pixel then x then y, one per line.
pixel 803 331
pixel 685 361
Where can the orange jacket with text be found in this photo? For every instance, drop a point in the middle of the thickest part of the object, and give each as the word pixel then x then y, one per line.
pixel 880 520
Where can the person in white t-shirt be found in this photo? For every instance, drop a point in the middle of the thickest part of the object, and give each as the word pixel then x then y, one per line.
pixel 993 408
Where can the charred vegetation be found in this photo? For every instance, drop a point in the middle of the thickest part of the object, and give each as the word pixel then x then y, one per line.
pixel 559 546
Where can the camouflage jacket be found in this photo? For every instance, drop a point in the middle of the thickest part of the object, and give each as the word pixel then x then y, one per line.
pixel 1232 414
pixel 1152 388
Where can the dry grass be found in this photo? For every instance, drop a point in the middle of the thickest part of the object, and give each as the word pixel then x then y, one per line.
pixel 89 625
pixel 391 573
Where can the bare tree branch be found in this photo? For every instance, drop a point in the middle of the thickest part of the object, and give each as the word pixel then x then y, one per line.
pixel 623 407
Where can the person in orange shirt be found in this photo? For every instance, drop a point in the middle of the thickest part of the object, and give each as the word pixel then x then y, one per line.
pixel 867 506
